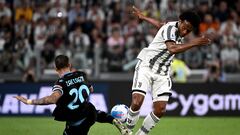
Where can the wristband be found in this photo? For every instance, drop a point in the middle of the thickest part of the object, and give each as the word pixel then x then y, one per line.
pixel 29 101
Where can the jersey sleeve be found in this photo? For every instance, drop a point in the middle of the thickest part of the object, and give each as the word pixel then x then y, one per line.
pixel 169 33
pixel 58 86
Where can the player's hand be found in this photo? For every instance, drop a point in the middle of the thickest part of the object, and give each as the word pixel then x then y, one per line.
pixel 137 12
pixel 199 41
pixel 24 100
pixel 209 35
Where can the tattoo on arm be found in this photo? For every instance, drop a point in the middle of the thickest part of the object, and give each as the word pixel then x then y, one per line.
pixel 52 99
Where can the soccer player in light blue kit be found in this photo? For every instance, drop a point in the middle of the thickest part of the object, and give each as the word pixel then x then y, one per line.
pixel 153 68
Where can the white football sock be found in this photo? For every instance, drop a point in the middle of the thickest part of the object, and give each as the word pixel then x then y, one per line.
pixel 132 118
pixel 149 122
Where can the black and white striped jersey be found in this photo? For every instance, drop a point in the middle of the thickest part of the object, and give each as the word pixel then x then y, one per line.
pixel 156 56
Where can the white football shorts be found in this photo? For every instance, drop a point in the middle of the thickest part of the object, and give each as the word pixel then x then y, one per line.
pixel 145 79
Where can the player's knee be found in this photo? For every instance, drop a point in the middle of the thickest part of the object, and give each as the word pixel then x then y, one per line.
pixel 135 106
pixel 137 101
pixel 160 110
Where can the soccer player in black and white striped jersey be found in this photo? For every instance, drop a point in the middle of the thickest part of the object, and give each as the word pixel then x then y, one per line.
pixel 153 68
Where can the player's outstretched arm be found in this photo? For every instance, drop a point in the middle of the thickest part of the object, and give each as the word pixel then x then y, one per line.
pixel 154 22
pixel 52 99
pixel 174 48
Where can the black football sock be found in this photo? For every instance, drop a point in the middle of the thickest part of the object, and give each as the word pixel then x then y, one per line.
pixel 104 117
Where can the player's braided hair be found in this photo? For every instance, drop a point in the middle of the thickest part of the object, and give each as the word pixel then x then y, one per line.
pixel 191 17
pixel 61 61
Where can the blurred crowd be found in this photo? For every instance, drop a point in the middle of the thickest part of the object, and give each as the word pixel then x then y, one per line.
pixel 41 29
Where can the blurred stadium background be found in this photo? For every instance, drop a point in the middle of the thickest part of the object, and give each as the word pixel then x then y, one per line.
pixel 103 38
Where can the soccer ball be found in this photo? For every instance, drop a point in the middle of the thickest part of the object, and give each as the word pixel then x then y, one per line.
pixel 120 111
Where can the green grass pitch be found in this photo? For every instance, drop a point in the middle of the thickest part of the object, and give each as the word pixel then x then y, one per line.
pixel 167 126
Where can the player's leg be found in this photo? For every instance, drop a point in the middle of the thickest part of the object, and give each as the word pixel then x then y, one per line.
pixel 81 126
pixel 75 129
pixel 134 110
pixel 141 83
pixel 153 118
pixel 160 92
pixel 104 117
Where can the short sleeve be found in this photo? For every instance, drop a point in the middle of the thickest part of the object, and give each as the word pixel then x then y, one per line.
pixel 58 86
pixel 169 33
